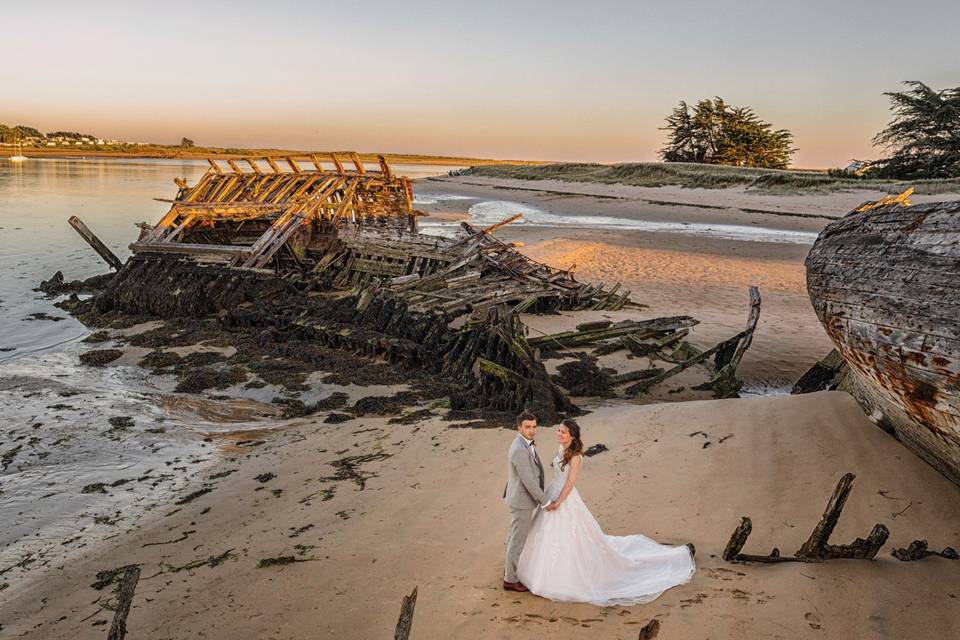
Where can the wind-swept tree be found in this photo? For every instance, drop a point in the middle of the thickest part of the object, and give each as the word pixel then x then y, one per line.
pixel 923 138
pixel 186 143
pixel 713 132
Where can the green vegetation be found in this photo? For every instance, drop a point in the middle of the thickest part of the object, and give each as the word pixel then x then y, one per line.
pixel 19 132
pixel 714 132
pixel 705 176
pixel 923 136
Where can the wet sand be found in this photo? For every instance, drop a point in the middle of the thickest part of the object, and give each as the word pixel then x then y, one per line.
pixel 430 516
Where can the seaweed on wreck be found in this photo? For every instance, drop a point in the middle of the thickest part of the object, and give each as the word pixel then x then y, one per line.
pixel 328 272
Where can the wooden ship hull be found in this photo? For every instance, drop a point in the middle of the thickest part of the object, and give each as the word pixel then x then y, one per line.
pixel 328 250
pixel 884 282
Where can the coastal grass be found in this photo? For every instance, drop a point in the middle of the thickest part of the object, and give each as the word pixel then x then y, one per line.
pixel 160 151
pixel 705 176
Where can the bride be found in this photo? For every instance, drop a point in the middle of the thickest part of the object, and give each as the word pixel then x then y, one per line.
pixel 568 557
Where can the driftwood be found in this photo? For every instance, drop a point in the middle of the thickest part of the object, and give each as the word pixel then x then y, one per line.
pixel 917 550
pixel 727 356
pixel 816 548
pixel 405 623
pixel 128 584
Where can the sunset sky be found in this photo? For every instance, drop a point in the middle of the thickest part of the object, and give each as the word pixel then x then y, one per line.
pixel 552 80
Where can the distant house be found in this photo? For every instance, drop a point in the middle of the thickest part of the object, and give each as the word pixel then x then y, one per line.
pixel 51 144
pixel 857 167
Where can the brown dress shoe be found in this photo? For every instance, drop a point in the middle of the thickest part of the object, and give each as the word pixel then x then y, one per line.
pixel 514 586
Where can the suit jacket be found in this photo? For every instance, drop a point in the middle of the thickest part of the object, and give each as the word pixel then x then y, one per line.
pixel 524 488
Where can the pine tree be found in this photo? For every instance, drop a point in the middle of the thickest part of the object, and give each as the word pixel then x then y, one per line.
pixel 713 132
pixel 924 135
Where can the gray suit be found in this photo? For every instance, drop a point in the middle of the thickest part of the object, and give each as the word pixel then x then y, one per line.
pixel 523 494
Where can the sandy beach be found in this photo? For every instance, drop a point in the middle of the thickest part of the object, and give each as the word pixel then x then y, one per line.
pixel 349 517
pixel 429 515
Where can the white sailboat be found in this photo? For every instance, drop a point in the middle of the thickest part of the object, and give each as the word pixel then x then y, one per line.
pixel 19 157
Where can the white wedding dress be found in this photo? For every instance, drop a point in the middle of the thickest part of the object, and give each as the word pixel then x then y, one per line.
pixel 567 557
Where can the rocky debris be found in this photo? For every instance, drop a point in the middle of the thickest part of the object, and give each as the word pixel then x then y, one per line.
pixel 160 360
pixel 583 377
pixel 100 357
pixel 595 449
pixel 917 550
pixel 57 285
pixel 195 381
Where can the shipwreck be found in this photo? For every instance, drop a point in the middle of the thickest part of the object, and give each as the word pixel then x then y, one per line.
pixel 327 249
pixel 883 281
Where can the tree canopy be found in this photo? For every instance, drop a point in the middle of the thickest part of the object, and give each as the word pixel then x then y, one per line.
pixel 19 132
pixel 923 138
pixel 186 143
pixel 713 132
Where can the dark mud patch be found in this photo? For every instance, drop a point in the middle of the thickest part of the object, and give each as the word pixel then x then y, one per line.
pixel 338 418
pixel 100 357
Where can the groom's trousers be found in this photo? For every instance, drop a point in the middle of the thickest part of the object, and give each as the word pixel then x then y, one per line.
pixel 520 522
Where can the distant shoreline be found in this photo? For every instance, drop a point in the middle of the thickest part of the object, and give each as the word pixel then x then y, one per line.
pixel 175 153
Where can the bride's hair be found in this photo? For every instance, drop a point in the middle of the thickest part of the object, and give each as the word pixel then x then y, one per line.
pixel 576 445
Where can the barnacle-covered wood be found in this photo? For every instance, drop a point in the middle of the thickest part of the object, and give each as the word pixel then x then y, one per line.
pixel 816 548
pixel 885 283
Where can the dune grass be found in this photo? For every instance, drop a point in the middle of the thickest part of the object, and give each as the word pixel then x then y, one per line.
pixel 705 176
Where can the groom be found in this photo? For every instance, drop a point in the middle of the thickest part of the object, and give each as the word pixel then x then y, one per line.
pixel 523 494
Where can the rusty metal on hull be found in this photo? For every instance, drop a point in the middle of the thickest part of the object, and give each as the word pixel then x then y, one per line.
pixel 885 283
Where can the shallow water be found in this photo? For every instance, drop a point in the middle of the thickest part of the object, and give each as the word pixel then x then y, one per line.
pixel 56 438
pixel 489 212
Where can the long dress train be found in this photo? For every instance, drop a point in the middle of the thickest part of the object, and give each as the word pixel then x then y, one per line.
pixel 567 557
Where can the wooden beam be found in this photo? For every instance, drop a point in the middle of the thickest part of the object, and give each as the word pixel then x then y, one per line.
pixel 128 585
pixel 405 622
pixel 273 164
pixel 355 157
pixel 347 200
pixel 233 165
pixel 253 165
pixel 293 164
pixel 101 249
pixel 195 249
pixel 337 163
pixel 385 168
pixel 316 162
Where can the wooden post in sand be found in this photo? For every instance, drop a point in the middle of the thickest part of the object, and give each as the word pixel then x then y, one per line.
pixel 101 249
pixel 128 584
pixel 406 616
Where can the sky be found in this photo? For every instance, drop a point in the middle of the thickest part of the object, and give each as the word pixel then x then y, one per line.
pixel 559 80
